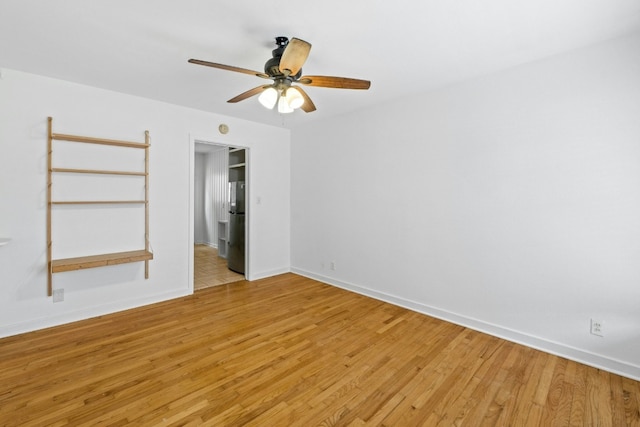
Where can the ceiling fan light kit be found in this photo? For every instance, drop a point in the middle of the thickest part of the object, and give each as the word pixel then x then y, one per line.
pixel 269 97
pixel 294 99
pixel 285 68
pixel 287 100
pixel 283 106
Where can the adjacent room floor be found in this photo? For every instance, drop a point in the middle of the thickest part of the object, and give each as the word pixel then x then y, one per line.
pixel 211 270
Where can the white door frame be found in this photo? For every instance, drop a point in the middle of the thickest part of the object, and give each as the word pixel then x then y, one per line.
pixel 192 155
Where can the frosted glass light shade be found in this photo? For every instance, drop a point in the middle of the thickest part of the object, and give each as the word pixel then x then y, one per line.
pixel 268 98
pixel 283 106
pixel 294 98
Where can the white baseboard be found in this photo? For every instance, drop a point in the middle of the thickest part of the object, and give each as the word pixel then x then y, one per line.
pixel 87 313
pixel 269 273
pixel 588 358
pixel 211 245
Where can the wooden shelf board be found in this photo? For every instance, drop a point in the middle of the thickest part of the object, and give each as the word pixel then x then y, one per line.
pixel 98 202
pixel 237 165
pixel 97 171
pixel 90 140
pixel 80 263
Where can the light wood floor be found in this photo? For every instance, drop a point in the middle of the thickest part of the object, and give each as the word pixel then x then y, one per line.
pixel 289 351
pixel 211 270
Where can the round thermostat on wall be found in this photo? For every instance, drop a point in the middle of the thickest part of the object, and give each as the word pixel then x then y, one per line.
pixel 223 129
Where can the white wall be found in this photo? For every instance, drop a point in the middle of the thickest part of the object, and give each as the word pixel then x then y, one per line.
pixel 510 203
pixel 211 180
pixel 218 181
pixel 25 102
pixel 202 233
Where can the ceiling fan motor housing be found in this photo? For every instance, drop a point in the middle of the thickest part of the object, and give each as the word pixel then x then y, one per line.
pixel 272 66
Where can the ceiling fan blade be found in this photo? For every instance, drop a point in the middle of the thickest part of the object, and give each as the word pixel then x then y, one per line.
pixel 308 105
pixel 229 68
pixel 249 93
pixel 334 82
pixel 294 56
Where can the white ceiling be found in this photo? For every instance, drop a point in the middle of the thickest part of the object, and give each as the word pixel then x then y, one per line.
pixel 141 47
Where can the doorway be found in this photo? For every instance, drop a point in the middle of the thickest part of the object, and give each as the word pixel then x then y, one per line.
pixel 211 176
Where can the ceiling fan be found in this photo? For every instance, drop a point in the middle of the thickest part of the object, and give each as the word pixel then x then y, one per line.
pixel 285 69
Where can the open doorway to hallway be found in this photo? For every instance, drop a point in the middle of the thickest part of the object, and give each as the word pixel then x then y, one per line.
pixel 212 174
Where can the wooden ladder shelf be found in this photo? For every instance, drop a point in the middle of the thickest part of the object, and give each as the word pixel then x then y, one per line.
pixel 102 260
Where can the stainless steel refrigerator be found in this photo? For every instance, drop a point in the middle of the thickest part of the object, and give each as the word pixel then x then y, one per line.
pixel 235 259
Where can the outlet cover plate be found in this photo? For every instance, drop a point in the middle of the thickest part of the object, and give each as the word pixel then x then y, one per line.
pixel 597 327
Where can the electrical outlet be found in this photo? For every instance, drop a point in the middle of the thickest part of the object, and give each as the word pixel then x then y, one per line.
pixel 333 265
pixel 597 327
pixel 58 295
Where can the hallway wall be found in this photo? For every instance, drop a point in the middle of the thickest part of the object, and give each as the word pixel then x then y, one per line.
pixel 210 192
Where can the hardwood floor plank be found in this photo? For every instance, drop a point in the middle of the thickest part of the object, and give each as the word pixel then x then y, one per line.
pixel 490 404
pixel 524 401
pixel 557 412
pixel 462 367
pixel 617 401
pixel 508 395
pixel 631 397
pixel 288 350
pixel 579 397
